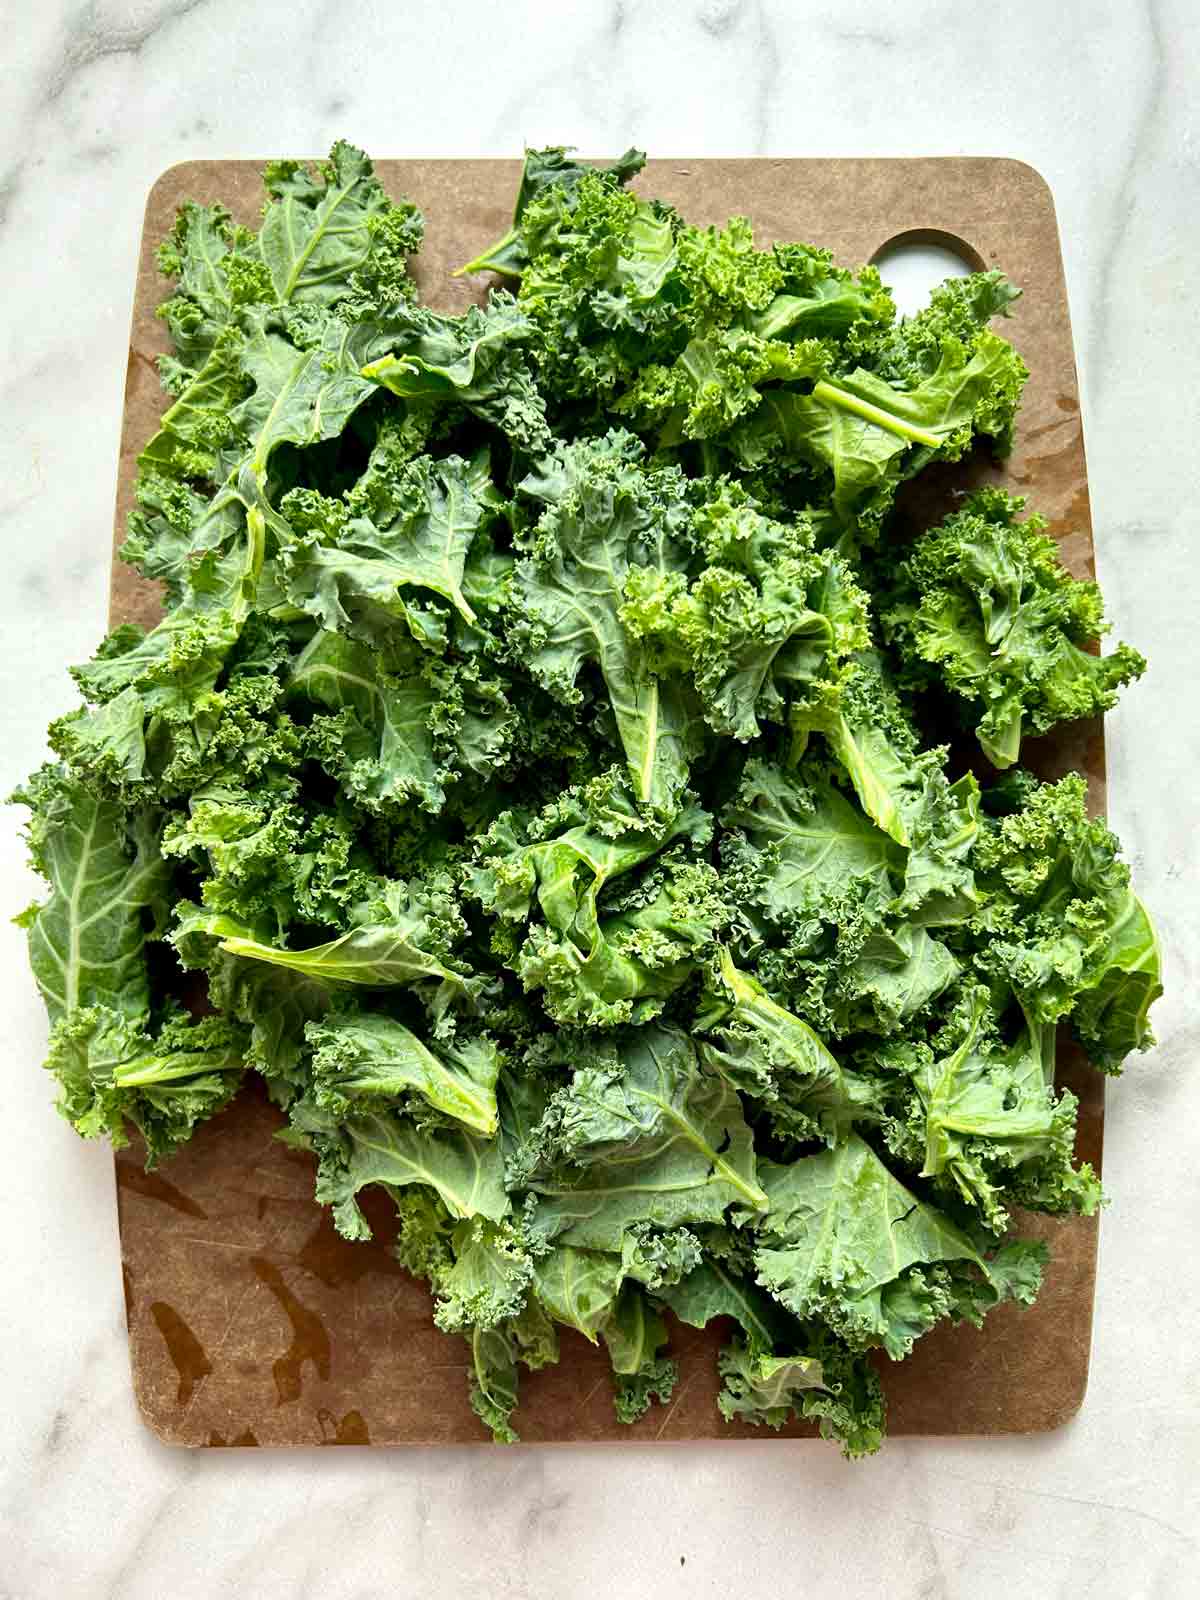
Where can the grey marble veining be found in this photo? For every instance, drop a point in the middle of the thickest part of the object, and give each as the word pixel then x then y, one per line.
pixel 98 98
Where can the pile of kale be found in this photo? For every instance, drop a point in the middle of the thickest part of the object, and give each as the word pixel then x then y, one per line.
pixel 541 756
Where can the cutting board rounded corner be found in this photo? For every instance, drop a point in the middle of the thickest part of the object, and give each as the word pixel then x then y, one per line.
pixel 1031 178
pixel 154 1417
pixel 173 185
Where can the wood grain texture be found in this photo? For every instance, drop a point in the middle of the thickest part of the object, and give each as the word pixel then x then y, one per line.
pixel 250 1321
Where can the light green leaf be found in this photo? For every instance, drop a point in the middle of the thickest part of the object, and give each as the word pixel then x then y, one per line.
pixel 983 605
pixel 385 755
pixel 276 1004
pixel 478 360
pixel 818 840
pixel 634 1335
pixel 1068 930
pixel 364 1057
pixel 391 946
pixel 195 430
pixel 713 1290
pixel 896 975
pixel 571 594
pixel 618 968
pixel 106 741
pixel 859 425
pixel 489 1279
pixel 550 168
pixel 494 1382
pixel 424 545
pixel 769 1385
pixel 825 1382
pixel 878 770
pixel 467 1172
pixel 652 1137
pixel 300 396
pixel 316 234
pixel 105 872
pixel 772 1054
pixel 528 1338
pixel 1112 1014
pixel 988 1109
pixel 113 1070
pixel 840 1231
pixel 578 1287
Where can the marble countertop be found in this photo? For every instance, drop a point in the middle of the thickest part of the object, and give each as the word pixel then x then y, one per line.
pixel 96 100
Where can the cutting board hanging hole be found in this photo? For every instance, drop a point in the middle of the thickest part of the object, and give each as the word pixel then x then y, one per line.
pixel 912 264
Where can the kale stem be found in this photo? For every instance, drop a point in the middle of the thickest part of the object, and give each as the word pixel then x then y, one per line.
pixel 834 396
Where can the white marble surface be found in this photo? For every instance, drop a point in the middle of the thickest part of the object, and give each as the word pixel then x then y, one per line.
pixel 1101 96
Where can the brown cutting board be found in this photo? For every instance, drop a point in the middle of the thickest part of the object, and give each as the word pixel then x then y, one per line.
pixel 250 1321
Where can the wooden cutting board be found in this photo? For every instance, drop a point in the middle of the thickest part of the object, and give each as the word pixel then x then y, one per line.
pixel 250 1321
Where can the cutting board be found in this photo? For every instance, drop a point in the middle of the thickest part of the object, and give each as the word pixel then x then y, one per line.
pixel 250 1321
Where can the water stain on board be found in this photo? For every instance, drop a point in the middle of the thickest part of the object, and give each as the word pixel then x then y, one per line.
pixel 310 1341
pixel 1074 519
pixel 1072 441
pixel 1043 467
pixel 352 1429
pixel 1066 403
pixel 337 1261
pixel 218 1440
pixel 155 1187
pixel 185 1350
